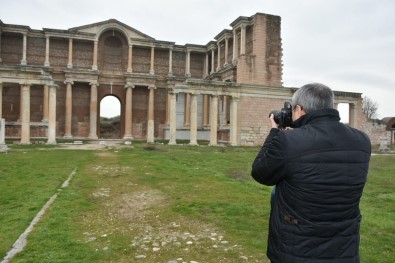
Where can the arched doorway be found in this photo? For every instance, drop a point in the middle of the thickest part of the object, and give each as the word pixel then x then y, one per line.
pixel 110 118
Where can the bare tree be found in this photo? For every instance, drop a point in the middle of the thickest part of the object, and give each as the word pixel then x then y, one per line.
pixel 369 108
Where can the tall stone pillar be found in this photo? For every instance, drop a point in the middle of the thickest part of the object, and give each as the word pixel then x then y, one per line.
pixel 173 119
pixel 45 103
pixel 193 128
pixel 205 111
pixel 93 112
pixel 170 62
pixel 212 62
pixel 128 112
pixel 219 56
pixel 24 61
pixel 152 70
pixel 243 40
pixel 25 114
pixel 233 121
pixel 206 66
pixel 46 62
pixel 226 51
pixel 187 110
pixel 168 103
pixel 1 98
pixel 235 47
pixel 188 64
pixel 213 120
pixel 95 50
pixel 70 59
pixel 52 115
pixel 224 113
pixel 69 110
pixel 0 47
pixel 150 125
pixel 130 57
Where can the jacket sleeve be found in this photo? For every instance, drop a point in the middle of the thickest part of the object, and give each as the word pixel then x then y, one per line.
pixel 269 165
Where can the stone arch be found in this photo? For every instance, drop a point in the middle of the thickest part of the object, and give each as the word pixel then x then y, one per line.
pixel 113 50
pixel 111 127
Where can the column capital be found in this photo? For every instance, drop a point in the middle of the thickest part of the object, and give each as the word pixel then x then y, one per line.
pixel 25 83
pixel 152 87
pixel 69 81
pixel 129 85
pixel 94 83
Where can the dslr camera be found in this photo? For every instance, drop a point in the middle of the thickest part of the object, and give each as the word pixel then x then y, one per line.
pixel 283 117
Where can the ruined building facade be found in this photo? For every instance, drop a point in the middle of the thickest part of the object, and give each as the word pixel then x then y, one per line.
pixel 53 80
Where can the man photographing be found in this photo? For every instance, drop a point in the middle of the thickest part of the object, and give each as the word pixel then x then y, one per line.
pixel 319 169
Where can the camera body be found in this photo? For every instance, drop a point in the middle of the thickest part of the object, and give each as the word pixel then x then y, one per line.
pixel 283 117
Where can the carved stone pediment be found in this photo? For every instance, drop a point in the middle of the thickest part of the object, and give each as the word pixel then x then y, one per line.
pixel 98 28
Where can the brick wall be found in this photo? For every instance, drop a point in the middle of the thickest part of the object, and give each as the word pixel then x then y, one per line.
pixel 254 118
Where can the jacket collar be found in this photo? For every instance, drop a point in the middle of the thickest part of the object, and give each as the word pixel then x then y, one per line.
pixel 318 115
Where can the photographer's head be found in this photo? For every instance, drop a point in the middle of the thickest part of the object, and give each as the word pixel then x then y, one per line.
pixel 311 97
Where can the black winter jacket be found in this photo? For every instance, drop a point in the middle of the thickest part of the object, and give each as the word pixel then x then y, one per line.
pixel 319 169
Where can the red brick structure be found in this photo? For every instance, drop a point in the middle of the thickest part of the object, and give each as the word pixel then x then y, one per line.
pixel 53 80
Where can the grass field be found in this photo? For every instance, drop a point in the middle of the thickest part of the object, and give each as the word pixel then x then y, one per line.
pixel 155 203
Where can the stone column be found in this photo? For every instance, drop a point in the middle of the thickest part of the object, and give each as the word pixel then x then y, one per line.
pixel 187 110
pixel 128 112
pixel 151 70
pixel 46 62
pixel 45 103
pixel 173 119
pixel 193 129
pixel 130 58
pixel 206 66
pixel 226 51
pixel 212 62
pixel 205 111
pixel 1 98
pixel 213 120
pixel 25 114
pixel 70 62
pixel 3 146
pixel 52 115
pixel 150 124
pixel 170 74
pixel 224 119
pixel 235 47
pixel 219 56
pixel 188 64
pixel 243 40
pixel 93 112
pixel 69 109
pixel 168 104
pixel 95 50
pixel 233 121
pixel 0 47
pixel 24 61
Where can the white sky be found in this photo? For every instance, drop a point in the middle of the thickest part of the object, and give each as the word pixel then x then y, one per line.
pixel 347 45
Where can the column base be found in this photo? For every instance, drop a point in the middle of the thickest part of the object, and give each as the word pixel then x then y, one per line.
pixel 3 148
pixel 127 137
pixel 93 137
pixel 51 143
pixel 193 144
pixel 68 136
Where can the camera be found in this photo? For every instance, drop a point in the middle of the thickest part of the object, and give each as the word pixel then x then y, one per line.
pixel 283 117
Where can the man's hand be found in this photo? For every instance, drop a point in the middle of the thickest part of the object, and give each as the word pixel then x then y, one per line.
pixel 272 122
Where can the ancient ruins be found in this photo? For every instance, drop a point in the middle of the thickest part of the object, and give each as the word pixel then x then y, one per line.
pixel 53 80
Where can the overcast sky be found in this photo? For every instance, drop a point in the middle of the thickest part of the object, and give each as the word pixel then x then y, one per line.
pixel 347 45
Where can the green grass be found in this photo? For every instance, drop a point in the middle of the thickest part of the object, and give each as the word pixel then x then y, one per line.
pixel 160 202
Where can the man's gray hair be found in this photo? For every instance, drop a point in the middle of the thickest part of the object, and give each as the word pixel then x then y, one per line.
pixel 314 96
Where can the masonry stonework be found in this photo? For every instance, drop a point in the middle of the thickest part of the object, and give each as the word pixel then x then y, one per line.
pixel 165 90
